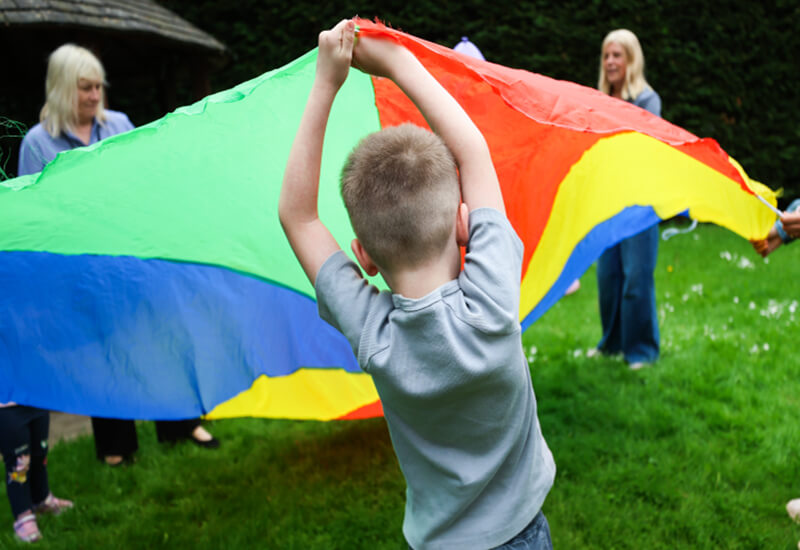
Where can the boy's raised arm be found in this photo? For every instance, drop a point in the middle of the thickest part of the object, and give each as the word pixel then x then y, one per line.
pixel 383 57
pixel 309 238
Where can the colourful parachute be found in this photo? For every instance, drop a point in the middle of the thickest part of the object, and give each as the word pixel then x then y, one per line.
pixel 147 276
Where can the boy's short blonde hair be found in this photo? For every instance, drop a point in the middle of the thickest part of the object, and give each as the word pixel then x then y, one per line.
pixel 400 188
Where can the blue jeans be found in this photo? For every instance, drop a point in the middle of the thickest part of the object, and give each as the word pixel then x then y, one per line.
pixel 627 295
pixel 536 536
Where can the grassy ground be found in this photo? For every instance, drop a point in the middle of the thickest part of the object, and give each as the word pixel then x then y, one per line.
pixel 699 451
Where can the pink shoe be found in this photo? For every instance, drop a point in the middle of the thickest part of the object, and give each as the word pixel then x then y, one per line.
pixel 573 288
pixel 25 528
pixel 52 505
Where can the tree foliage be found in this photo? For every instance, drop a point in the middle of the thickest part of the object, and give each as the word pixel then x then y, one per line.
pixel 724 69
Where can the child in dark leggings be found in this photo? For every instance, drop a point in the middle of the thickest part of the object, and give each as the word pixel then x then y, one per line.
pixel 23 443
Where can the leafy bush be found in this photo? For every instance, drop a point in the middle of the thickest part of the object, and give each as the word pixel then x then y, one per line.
pixel 724 69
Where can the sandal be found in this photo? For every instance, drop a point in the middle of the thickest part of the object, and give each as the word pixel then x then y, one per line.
pixel 25 528
pixel 115 461
pixel 52 505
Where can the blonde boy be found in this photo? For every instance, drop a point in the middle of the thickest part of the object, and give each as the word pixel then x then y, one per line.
pixel 444 347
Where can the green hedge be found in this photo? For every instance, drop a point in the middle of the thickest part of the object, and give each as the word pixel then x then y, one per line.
pixel 724 69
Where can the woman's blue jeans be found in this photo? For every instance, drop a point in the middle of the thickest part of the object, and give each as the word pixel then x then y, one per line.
pixel 627 295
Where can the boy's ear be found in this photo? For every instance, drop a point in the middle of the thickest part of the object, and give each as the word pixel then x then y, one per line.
pixel 462 224
pixel 363 258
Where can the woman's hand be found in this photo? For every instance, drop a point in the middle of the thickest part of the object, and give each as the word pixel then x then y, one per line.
pixel 791 223
pixel 766 246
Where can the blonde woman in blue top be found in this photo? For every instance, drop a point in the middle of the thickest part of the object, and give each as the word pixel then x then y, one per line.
pixel 626 288
pixel 74 115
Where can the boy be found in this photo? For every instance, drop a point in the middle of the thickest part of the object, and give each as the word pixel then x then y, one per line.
pixel 444 348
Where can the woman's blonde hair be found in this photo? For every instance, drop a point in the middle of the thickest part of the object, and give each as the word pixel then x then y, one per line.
pixel 66 65
pixel 635 82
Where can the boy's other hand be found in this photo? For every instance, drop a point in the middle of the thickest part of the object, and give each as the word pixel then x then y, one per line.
pixel 335 53
pixel 376 56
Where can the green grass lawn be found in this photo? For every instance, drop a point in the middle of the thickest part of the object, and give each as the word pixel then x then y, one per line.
pixel 698 451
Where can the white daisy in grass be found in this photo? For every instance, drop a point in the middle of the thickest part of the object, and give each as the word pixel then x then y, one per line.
pixel 745 263
pixel 773 310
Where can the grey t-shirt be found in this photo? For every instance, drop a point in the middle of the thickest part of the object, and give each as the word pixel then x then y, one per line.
pixel 455 388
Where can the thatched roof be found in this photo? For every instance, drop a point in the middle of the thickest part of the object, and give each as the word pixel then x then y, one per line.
pixel 134 16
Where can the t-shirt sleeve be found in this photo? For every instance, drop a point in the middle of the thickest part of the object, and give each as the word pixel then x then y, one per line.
pixel 116 123
pixel 126 123
pixel 30 157
pixel 649 100
pixel 344 297
pixel 492 270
